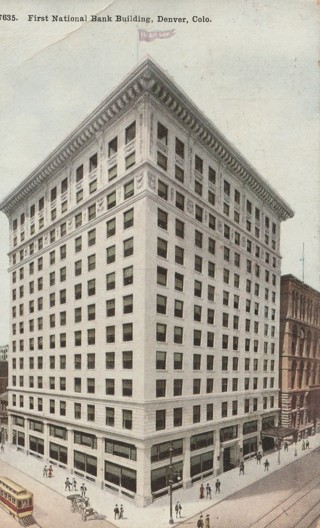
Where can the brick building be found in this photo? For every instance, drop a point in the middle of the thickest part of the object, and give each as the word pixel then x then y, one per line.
pixel 299 356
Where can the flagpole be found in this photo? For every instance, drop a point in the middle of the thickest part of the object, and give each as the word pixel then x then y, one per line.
pixel 137 44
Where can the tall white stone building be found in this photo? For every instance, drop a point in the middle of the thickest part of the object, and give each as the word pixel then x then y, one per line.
pixel 145 278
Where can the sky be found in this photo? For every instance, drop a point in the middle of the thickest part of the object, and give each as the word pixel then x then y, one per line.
pixel 253 69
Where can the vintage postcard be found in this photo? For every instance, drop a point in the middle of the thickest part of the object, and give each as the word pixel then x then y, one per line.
pixel 160 243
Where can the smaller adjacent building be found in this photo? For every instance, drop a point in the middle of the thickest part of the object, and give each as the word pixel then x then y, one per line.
pixel 299 356
pixel 4 349
pixel 3 393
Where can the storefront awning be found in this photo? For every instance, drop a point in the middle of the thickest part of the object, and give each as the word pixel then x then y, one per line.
pixel 279 432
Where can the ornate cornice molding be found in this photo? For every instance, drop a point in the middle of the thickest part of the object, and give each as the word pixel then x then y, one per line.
pixel 148 77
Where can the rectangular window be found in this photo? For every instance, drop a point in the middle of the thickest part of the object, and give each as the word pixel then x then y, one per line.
pixel 160 388
pixel 111 227
pixel 130 160
pixel 177 360
pixel 178 308
pixel 179 228
pixel 111 254
pixel 179 201
pixel 198 164
pixel 161 304
pixel 110 416
pixel 162 134
pixel 162 160
pixel 196 413
pixel 130 133
pixel 127 387
pixel 199 213
pixel 112 172
pixel 92 212
pixel 179 174
pixel 113 147
pixel 162 247
pixel 127 361
pixel 93 186
pixel 93 162
pixel 128 219
pixel 127 332
pixel 79 174
pixel 161 360
pixel 111 281
pixel 129 190
pixel 197 288
pixel 110 308
pixel 161 332
pixel 111 200
pixel 160 420
pixel 179 148
pixel 91 237
pixel 161 276
pixel 126 419
pixel 128 276
pixel 128 304
pixel 110 334
pixel 178 282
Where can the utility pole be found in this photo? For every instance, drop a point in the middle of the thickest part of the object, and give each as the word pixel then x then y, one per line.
pixel 302 260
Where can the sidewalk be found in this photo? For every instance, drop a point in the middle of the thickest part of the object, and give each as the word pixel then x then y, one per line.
pixel 157 514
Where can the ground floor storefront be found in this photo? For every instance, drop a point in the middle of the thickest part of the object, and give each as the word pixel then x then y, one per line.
pixel 141 469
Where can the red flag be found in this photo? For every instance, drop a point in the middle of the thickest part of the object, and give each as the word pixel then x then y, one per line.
pixel 148 36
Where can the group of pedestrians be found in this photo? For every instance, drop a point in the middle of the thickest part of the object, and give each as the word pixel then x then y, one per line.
pixel 48 471
pixel 203 523
pixel 207 491
pixel 118 512
pixel 71 485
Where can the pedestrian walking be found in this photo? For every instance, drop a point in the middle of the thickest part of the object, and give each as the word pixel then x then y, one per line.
pixel 307 444
pixel 176 509
pixel 67 484
pixel 207 521
pixel 200 523
pixel 241 468
pixel 286 447
pixel 116 512
pixel 74 484
pixel 121 511
pixel 266 465
pixel 45 471
pixel 2 448
pixel 258 457
pixel 202 491
pixel 83 490
pixel 208 491
pixel 303 445
pixel 218 484
pixel 50 471
pixel 180 509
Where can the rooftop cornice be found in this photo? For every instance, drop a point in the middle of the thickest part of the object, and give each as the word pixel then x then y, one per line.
pixel 291 279
pixel 148 77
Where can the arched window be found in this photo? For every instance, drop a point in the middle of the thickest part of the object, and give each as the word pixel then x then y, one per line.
pixel 293 303
pixel 300 378
pixel 302 336
pixel 294 339
pixel 308 343
pixel 293 373
pixel 308 374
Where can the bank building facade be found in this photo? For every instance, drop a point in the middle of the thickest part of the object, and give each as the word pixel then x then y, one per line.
pixel 145 280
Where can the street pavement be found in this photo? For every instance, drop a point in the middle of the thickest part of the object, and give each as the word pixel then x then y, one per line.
pixel 155 515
